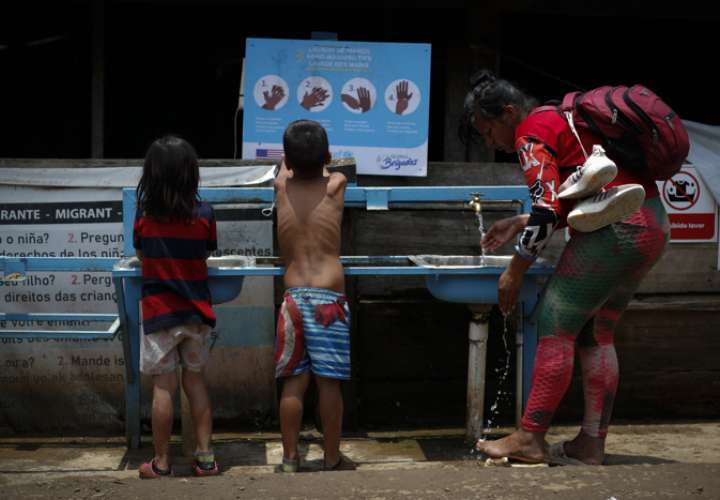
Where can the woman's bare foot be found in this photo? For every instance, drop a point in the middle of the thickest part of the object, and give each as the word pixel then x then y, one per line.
pixel 520 445
pixel 589 450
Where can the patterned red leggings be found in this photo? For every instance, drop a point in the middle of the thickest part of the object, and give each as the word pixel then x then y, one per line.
pixel 594 281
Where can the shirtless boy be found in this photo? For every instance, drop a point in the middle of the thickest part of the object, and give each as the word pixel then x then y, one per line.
pixel 313 332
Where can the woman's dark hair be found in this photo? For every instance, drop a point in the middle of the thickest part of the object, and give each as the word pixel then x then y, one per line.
pixel 168 188
pixel 488 96
pixel 306 147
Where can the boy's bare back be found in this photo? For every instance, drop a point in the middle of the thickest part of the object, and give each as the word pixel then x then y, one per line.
pixel 309 220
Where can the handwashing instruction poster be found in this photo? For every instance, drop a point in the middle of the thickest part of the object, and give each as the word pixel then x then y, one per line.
pixel 372 98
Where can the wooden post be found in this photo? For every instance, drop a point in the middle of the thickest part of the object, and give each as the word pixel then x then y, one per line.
pixel 460 64
pixel 97 88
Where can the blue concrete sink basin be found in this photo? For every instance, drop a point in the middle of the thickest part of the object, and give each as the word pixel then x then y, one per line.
pixel 472 279
pixel 224 289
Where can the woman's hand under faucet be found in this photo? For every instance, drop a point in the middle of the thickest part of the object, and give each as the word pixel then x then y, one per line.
pixel 503 231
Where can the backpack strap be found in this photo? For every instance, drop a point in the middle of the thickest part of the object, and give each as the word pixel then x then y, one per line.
pixel 562 109
pixel 566 109
pixel 569 118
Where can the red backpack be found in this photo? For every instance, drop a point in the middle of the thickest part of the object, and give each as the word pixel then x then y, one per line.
pixel 638 129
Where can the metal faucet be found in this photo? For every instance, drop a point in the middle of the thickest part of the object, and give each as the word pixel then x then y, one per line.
pixel 474 203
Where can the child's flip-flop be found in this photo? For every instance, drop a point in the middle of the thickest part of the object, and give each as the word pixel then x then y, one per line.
pixel 149 470
pixel 343 463
pixel 205 464
pixel 288 465
pixel 202 470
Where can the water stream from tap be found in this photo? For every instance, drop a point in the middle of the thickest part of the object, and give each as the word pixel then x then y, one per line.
pixel 481 229
pixel 501 393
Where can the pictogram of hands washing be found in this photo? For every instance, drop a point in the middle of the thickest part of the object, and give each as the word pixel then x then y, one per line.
pixel 362 102
pixel 403 97
pixel 316 97
pixel 273 97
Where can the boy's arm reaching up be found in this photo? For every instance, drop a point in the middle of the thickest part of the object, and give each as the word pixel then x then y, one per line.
pixel 337 184
pixel 283 172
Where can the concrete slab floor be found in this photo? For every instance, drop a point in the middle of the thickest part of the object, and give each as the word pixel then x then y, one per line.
pixel 253 453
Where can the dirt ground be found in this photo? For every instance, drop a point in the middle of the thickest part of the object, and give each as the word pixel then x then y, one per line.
pixel 644 461
pixel 436 481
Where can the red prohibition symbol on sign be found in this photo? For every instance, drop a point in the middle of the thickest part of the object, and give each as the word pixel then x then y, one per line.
pixel 682 191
